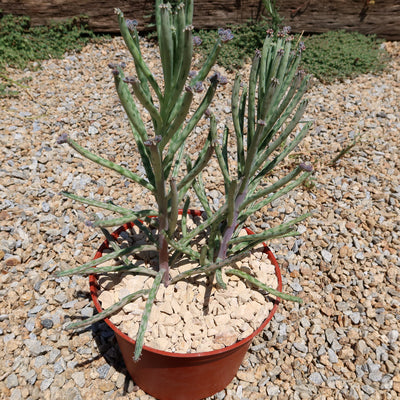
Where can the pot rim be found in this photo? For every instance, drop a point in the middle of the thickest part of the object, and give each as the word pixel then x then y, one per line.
pixel 94 289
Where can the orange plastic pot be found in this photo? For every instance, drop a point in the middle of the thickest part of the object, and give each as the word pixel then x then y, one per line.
pixel 177 376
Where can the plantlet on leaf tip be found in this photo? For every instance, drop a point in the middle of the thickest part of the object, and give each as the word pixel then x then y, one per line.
pixel 274 105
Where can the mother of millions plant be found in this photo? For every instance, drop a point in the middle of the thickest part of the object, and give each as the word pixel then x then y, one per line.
pixel 265 114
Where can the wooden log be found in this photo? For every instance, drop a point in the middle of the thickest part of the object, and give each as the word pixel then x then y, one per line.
pixel 380 17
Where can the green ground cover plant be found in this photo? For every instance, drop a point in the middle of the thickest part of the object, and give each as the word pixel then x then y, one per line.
pixel 21 44
pixel 330 56
pixel 342 55
pixel 247 38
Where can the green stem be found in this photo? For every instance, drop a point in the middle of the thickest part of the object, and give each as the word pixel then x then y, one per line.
pixel 108 312
pixel 136 53
pixel 99 204
pixel 111 256
pixel 146 314
pixel 109 164
pixel 256 282
pixel 207 269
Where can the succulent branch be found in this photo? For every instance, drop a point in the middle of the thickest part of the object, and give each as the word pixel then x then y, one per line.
pixel 267 113
pixel 146 314
pixel 83 269
pixel 256 282
pixel 108 312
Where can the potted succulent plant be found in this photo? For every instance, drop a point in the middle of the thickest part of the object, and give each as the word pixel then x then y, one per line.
pixel 266 124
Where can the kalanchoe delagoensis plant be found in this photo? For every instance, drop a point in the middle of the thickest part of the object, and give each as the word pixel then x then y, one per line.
pixel 266 111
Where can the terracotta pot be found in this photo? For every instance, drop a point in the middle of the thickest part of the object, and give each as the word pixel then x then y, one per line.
pixel 177 376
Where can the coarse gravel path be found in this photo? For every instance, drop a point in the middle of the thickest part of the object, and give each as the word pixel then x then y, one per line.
pixel 342 343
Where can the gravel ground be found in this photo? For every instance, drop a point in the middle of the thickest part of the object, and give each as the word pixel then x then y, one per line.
pixel 342 343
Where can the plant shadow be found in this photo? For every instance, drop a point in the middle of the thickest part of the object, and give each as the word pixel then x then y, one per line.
pixel 108 350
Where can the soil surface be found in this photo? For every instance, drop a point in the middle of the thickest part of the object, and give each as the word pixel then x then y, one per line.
pixel 194 315
pixel 342 343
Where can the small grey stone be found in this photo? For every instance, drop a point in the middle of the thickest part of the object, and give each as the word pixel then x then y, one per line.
pixel 353 393
pixel 59 367
pixel 375 376
pixel 92 130
pixel 326 255
pixel 305 322
pixel 65 230
pixel 3 317
pixel 368 389
pixel 360 371
pixel 372 367
pixel 362 347
pixel 301 347
pixel 79 378
pixel 336 346
pixel 35 347
pixel 316 378
pixel 33 311
pixel 31 377
pixel 380 318
pixel 258 347
pixel 45 207
pixel 220 395
pixel 61 297
pixel 282 329
pixel 330 335
pixel 386 382
pixel 46 384
pixel 87 311
pixel 273 390
pixel 72 364
pixel 293 267
pixel 30 324
pixel 296 286
pixel 281 338
pixel 381 353
pixel 53 355
pixel 321 351
pixel 16 394
pixel 12 381
pixel 37 285
pixel 8 337
pixel 69 304
pixel 342 306
pixel 40 361
pixel 47 323
pixel 279 317
pixel 103 371
pixel 360 255
pixel 84 350
pixel 355 317
pixel 333 358
pixel 393 335
pixel 48 373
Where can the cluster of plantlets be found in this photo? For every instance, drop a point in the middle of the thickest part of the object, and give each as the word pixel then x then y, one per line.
pixel 267 126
